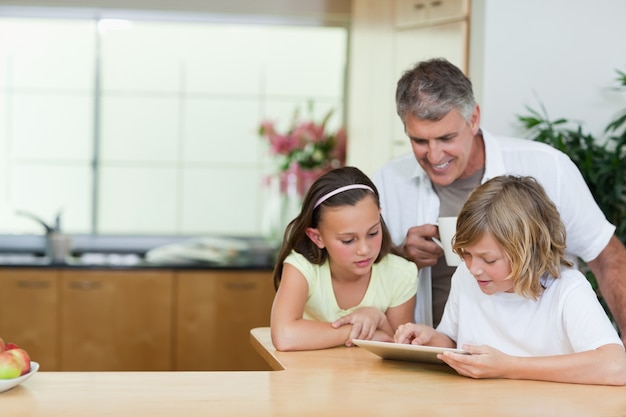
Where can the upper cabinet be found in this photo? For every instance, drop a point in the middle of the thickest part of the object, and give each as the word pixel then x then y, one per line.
pixel 411 13
pixel 388 38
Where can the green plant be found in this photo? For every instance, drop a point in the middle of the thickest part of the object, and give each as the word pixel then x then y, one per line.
pixel 602 161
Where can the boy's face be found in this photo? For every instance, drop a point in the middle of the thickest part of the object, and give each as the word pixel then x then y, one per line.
pixel 488 263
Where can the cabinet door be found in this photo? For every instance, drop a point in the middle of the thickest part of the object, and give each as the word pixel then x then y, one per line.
pixel 28 313
pixel 216 311
pixel 447 10
pixel 411 12
pixel 116 320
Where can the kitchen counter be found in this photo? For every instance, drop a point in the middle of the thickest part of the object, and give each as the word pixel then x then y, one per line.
pixel 125 262
pixel 142 252
pixel 330 382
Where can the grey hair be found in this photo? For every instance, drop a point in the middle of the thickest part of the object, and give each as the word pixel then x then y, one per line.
pixel 431 89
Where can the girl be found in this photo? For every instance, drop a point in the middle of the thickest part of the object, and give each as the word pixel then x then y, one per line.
pixel 335 276
pixel 516 304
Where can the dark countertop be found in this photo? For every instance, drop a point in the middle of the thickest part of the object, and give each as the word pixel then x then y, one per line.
pixel 139 252
pixel 76 263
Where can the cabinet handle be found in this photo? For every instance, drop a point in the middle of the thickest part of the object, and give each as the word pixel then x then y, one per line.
pixel 418 6
pixel 32 284
pixel 436 3
pixel 85 285
pixel 241 286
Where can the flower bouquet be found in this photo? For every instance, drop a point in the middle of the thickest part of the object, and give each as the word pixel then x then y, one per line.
pixel 305 151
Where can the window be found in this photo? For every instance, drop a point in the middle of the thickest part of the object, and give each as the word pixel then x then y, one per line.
pixel 149 127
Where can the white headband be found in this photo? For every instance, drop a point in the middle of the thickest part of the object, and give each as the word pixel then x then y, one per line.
pixel 341 190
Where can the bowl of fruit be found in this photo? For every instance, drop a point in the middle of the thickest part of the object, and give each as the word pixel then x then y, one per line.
pixel 15 366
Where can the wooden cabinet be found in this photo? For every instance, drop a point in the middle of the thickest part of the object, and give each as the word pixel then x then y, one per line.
pixel 136 320
pixel 29 314
pixel 215 312
pixel 411 13
pixel 116 320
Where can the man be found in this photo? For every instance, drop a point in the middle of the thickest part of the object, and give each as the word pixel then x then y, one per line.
pixel 451 156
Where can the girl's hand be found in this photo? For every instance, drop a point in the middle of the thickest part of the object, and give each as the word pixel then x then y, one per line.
pixel 365 321
pixel 484 361
pixel 416 334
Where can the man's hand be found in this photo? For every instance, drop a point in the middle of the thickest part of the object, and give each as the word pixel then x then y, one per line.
pixel 419 247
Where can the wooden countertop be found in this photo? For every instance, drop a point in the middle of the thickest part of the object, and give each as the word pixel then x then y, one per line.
pixel 331 382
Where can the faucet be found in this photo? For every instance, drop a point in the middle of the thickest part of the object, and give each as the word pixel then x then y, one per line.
pixel 57 244
pixel 49 229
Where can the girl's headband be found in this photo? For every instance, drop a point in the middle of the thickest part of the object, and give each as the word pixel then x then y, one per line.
pixel 341 190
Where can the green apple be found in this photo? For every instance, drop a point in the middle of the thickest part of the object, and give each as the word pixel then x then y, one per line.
pixel 22 358
pixel 10 367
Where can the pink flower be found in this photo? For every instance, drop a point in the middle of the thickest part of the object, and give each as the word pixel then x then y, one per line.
pixel 306 151
pixel 282 144
pixel 267 128
pixel 309 132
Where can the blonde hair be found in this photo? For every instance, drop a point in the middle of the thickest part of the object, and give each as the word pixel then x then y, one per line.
pixel 526 224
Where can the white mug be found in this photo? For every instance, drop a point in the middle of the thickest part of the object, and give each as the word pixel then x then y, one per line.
pixel 447 229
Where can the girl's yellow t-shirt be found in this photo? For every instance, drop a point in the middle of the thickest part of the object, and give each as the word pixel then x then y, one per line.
pixel 393 282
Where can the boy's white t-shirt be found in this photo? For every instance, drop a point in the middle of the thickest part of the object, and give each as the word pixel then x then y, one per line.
pixel 392 283
pixel 566 318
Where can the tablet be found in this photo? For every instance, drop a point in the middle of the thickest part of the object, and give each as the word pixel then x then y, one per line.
pixel 405 352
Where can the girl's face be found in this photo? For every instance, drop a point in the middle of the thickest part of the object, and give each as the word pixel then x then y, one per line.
pixel 488 263
pixel 352 236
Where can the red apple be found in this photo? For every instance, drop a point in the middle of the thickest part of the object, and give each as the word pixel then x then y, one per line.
pixel 22 358
pixel 10 346
pixel 10 367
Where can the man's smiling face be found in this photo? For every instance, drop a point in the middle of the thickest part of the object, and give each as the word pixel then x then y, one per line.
pixel 446 149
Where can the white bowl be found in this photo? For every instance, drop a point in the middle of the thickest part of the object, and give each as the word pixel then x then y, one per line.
pixel 7 384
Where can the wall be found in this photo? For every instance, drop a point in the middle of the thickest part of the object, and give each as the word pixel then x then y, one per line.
pixel 561 53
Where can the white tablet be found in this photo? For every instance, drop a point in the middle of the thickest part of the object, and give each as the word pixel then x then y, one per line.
pixel 405 352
